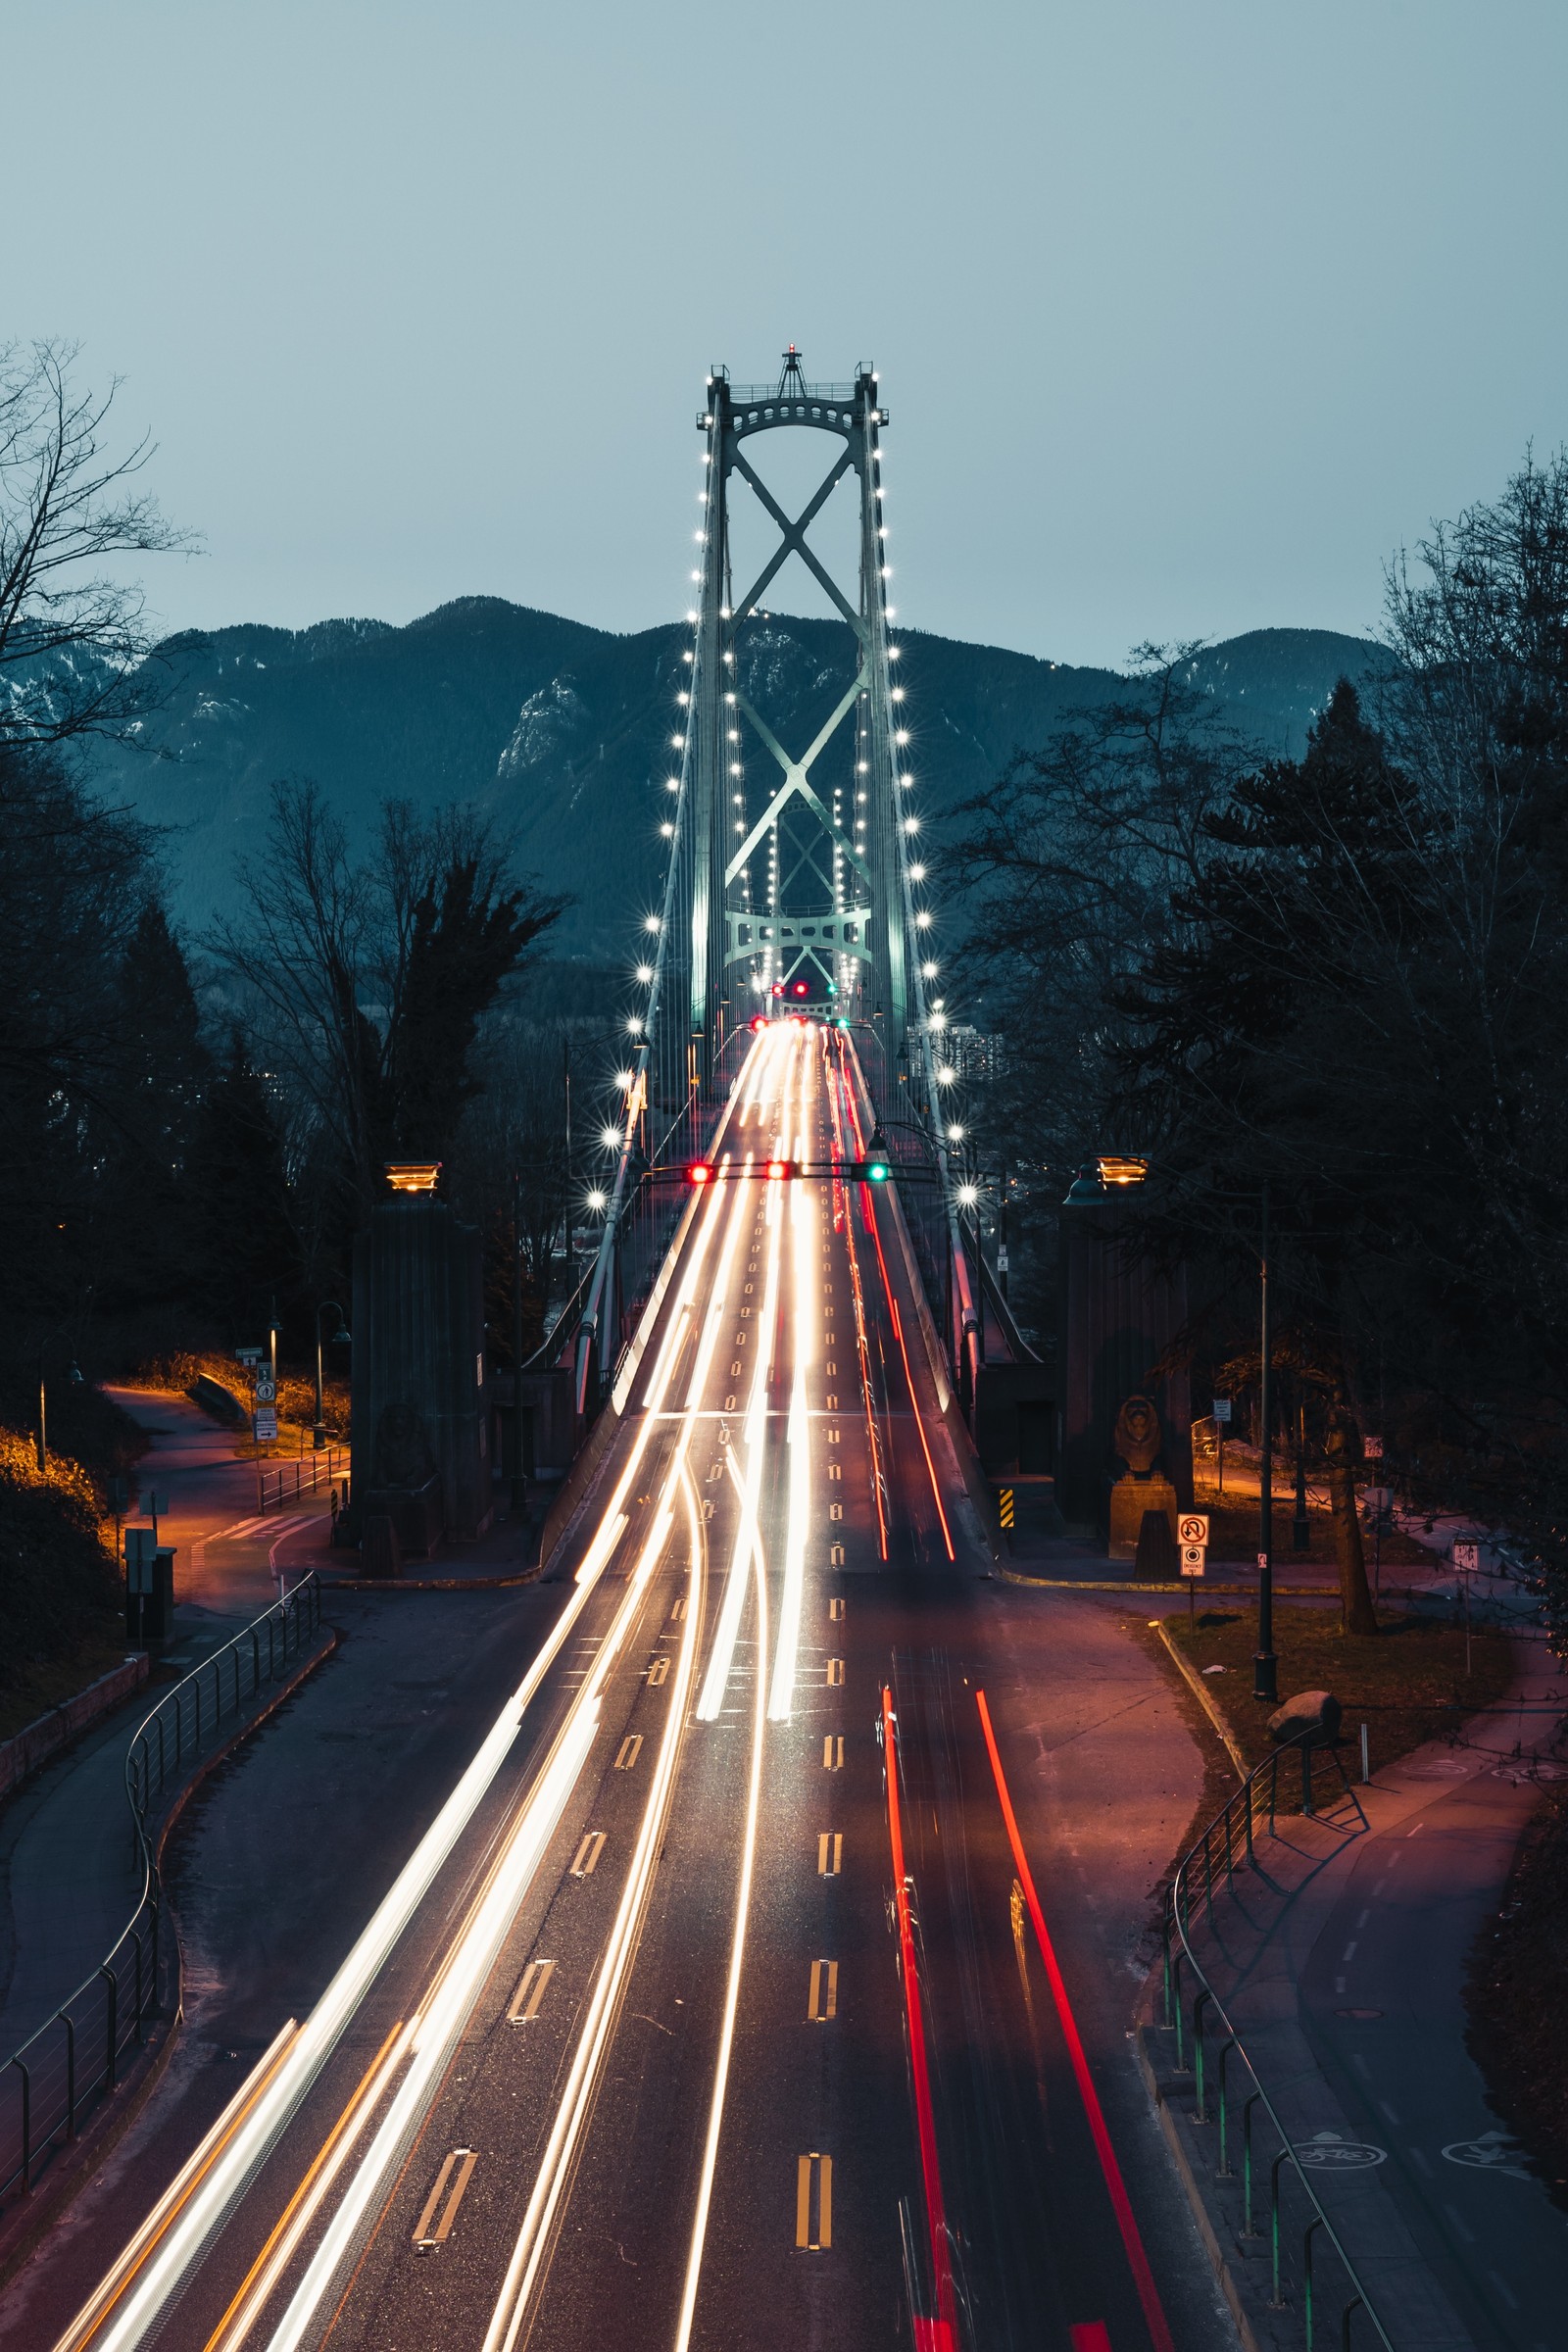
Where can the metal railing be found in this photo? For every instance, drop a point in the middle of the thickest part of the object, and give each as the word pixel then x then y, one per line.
pixel 1227 1846
pixel 278 1482
pixel 77 2058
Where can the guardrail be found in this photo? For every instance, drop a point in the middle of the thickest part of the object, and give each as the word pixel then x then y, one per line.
pixel 325 1467
pixel 76 2059
pixel 1226 1847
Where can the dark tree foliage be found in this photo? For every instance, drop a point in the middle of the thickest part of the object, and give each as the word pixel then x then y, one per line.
pixel 242 1251
pixel 1343 976
pixel 366 982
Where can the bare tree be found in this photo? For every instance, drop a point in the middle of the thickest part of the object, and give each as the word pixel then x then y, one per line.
pixel 73 637
pixel 367 978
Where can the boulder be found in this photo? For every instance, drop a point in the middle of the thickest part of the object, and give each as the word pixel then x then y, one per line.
pixel 1316 1712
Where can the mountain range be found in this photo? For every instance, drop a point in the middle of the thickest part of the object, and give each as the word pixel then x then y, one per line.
pixel 564 731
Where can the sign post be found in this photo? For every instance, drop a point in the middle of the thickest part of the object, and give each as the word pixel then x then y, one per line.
pixel 1222 1414
pixel 1466 1559
pixel 1191 1536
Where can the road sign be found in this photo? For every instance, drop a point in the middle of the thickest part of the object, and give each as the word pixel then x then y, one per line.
pixel 266 1388
pixel 1372 1449
pixel 1004 1506
pixel 249 1355
pixel 1194 1557
pixel 141 1547
pixel 1192 1528
pixel 265 1426
pixel 1222 1408
pixel 1466 1554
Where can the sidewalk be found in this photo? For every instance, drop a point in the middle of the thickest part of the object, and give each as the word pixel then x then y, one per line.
pixel 1346 1986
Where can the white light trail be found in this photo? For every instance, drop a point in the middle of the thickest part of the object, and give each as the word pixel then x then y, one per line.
pixel 721 1656
pixel 782 1693
pixel 732 1989
pixel 278 2093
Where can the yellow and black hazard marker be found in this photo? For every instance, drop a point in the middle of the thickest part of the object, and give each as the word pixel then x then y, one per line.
pixel 1004 1506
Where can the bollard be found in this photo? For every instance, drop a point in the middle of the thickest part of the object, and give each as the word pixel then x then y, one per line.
pixel 113 2067
pixel 1246 2164
pixel 1277 2300
pixel 1222 2171
pixel 1307 2277
pixel 1354 2304
pixel 1366 1769
pixel 68 2021
pixel 26 2122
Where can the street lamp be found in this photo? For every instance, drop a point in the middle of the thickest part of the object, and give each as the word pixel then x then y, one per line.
pixel 1099 1181
pixel 341 1337
pixel 73 1375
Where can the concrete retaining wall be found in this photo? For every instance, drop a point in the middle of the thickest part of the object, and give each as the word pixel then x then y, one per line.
pixel 20 1757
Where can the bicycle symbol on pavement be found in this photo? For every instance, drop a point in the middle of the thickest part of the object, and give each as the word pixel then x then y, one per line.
pixel 1331 2152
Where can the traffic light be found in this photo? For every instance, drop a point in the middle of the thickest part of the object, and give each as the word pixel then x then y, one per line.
pixel 777 1170
pixel 802 988
pixel 701 1171
pixel 877 1165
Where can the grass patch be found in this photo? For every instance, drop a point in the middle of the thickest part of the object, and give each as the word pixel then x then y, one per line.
pixel 1232 1533
pixel 1514 1990
pixel 1407 1684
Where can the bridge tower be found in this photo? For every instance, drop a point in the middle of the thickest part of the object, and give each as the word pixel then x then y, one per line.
pixel 799 894
pixel 802 886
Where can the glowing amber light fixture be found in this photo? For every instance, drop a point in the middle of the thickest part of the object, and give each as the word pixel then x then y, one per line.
pixel 1114 1170
pixel 412 1175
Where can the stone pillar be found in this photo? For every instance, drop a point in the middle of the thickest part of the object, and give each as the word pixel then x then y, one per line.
pixel 420 1453
pixel 1119 1314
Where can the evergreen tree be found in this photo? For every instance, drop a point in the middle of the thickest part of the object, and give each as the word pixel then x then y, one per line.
pixel 244 1249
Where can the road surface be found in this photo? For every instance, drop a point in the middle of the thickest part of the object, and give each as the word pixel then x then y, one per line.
pixel 722 2000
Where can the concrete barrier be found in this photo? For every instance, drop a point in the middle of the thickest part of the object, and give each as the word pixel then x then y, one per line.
pixel 212 1397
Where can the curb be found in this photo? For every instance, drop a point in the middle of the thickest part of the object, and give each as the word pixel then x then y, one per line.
pixel 1084 1584
pixel 1205 1698
pixel 429 1584
pixel 1220 2266
pixel 36 2213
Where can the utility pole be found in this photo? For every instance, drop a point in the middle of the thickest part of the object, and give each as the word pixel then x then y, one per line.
pixel 520 1482
pixel 1265 1665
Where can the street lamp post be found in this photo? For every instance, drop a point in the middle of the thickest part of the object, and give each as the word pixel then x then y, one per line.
pixel 519 1483
pixel 73 1375
pixel 340 1338
pixel 1090 1190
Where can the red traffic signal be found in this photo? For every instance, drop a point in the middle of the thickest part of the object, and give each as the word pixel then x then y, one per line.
pixel 760 1020
pixel 700 1172
pixel 802 988
pixel 777 1169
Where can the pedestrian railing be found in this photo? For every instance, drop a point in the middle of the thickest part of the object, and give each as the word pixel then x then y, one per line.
pixel 278 1482
pixel 1309 2267
pixel 78 2059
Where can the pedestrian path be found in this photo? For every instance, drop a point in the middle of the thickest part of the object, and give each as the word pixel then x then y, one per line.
pixel 1350 1994
pixel 69 1871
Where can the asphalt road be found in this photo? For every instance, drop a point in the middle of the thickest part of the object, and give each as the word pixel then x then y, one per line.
pixel 563 1991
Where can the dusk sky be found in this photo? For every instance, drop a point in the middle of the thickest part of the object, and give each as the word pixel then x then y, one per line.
pixel 1187 316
